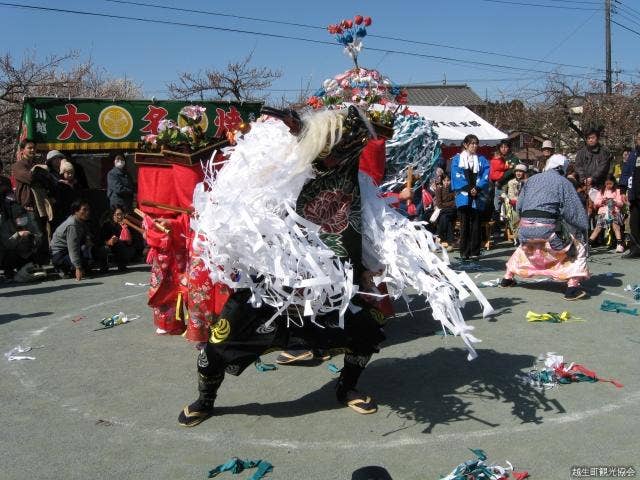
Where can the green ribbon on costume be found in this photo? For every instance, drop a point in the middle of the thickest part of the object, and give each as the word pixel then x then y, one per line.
pixel 609 306
pixel 551 317
pixel 235 466
pixel 264 367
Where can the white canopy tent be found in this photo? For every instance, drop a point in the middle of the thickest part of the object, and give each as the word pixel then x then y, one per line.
pixel 454 123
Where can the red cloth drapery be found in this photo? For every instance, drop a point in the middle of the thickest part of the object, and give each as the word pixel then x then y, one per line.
pixel 168 184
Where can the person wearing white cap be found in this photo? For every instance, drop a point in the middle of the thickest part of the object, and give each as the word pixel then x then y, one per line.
pixel 552 231
pixel 54 158
pixel 548 149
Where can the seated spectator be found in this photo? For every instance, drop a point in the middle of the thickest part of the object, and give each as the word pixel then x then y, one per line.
pixel 19 236
pixel 609 203
pixel 446 201
pixel 117 239
pixel 71 243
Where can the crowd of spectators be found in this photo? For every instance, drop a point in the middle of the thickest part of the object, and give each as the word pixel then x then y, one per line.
pixel 478 191
pixel 46 218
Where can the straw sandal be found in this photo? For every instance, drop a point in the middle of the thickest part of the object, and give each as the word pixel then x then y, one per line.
pixel 293 356
pixel 361 403
pixel 190 416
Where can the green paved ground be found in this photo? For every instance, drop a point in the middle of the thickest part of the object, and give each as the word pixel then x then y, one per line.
pixel 103 404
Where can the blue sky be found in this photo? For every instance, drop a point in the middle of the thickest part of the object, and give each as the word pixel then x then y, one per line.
pixel 154 54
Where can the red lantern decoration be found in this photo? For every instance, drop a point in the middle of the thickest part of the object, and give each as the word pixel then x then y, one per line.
pixel 358 19
pixel 348 23
pixel 367 21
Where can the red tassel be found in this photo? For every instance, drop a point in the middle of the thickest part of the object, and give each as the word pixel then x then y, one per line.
pixel 411 210
pixel 151 256
pixel 520 475
pixel 590 373
pixel 125 234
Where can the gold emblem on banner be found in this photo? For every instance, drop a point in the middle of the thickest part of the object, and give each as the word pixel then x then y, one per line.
pixel 115 122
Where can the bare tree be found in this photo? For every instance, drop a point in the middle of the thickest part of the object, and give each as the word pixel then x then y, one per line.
pixel 562 112
pixel 49 77
pixel 239 81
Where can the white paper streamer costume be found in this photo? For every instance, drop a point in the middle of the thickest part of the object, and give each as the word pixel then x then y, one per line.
pixel 252 237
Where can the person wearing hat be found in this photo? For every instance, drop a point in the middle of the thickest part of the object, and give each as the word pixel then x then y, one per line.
pixel 66 194
pixel 510 197
pixel 548 206
pixel 54 159
pixel 593 160
pixel 548 149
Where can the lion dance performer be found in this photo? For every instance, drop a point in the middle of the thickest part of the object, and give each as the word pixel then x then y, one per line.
pixel 552 231
pixel 283 224
pixel 295 224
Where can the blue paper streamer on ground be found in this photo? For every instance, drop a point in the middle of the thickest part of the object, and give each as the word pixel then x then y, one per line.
pixel 235 466
pixel 609 306
pixel 333 368
pixel 478 469
pixel 264 367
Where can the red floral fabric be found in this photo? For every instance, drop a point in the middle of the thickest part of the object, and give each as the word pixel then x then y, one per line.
pixel 168 258
pixel 205 299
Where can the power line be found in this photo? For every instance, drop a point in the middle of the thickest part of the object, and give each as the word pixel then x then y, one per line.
pixel 628 18
pixel 619 2
pixel 412 84
pixel 285 37
pixel 561 43
pixel 540 5
pixel 626 28
pixel 624 10
pixel 316 27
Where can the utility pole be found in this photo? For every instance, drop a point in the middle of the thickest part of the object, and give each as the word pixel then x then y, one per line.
pixel 607 34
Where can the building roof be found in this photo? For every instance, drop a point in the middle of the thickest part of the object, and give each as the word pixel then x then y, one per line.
pixel 442 95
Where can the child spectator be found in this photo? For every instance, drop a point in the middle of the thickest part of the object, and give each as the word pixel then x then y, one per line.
pixel 511 198
pixel 609 202
pixel 446 201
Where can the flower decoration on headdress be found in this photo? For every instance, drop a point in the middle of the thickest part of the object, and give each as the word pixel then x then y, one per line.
pixel 359 86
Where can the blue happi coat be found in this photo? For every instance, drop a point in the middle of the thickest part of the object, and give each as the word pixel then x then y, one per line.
pixel 460 184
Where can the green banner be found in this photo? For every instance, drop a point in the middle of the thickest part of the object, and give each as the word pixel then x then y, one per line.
pixel 96 124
